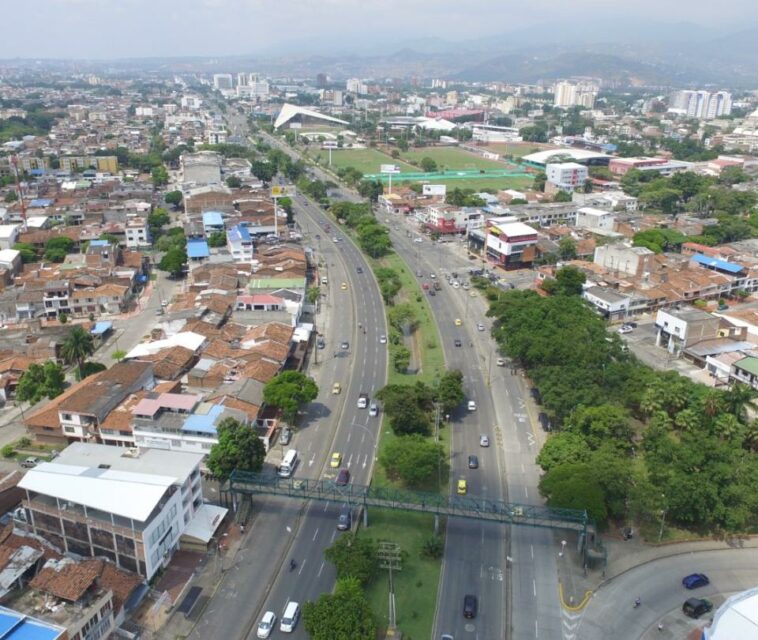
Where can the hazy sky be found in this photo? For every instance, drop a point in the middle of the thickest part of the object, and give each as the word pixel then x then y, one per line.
pixel 139 28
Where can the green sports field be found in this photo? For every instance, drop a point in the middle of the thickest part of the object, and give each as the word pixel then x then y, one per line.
pixel 365 160
pixel 452 158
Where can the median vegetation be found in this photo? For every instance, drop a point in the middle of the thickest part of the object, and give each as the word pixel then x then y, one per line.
pixel 633 446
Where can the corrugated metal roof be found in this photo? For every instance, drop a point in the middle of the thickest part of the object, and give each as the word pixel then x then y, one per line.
pixel 715 263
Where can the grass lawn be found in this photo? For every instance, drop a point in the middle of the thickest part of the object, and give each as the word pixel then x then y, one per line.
pixel 416 584
pixel 492 184
pixel 365 160
pixel 452 158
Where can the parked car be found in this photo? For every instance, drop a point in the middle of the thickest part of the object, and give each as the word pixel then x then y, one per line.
pixel 535 393
pixel 696 607
pixel 695 580
pixel 285 435
pixel 373 409
pixel 472 405
pixel 30 462
pixel 544 421
pixel 345 345
pixel 624 329
pixel 500 362
pixel 480 326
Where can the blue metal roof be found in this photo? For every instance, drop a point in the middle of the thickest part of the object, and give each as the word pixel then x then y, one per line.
pixel 715 263
pixel 18 626
pixel 197 249
pixel 98 243
pixel 101 328
pixel 204 423
pixel 239 232
pixel 213 219
pixel 40 202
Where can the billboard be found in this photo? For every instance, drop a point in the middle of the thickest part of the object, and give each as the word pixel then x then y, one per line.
pixel 280 191
pixel 389 168
pixel 434 189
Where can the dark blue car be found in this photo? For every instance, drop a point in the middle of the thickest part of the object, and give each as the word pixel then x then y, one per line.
pixel 695 580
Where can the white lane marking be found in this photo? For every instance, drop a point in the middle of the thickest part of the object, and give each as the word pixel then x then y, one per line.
pixel 365 461
pixel 326 506
pixel 349 435
pixel 534 587
pixel 334 535
pixel 315 533
pixel 350 460
pixel 526 492
pixel 312 460
pixel 302 564
pixel 536 630
pixel 531 546
pixel 321 568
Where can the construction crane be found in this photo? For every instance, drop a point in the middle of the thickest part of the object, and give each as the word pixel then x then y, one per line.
pixel 19 192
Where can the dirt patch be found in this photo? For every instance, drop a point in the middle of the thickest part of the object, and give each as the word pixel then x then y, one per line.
pixel 411 343
pixel 179 571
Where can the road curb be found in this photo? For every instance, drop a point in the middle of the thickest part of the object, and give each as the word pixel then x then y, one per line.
pixel 574 608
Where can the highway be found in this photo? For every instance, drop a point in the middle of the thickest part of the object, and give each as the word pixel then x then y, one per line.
pixel 514 577
pixel 286 529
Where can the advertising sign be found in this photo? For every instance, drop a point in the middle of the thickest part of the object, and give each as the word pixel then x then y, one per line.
pixel 389 168
pixel 434 189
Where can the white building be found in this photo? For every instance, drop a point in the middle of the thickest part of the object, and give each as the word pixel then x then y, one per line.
pixel 130 505
pixel 240 243
pixel 137 233
pixel 591 219
pixel 569 94
pixel 356 85
pixel 622 258
pixel 702 104
pixel 8 235
pixel 567 175
pixel 216 136
pixel 611 304
pixel 223 81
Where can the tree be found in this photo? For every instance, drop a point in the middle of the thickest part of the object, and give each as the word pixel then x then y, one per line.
pixel 57 248
pixel 109 238
pixel 449 390
pixel 160 218
pixel 11 196
pixel 370 189
pixel 401 359
pixel 567 248
pixel 217 239
pixel 374 239
pixel 572 486
pixel 562 196
pixel 732 175
pixel 563 448
pixel 173 262
pixel 159 176
pixel 238 447
pixel 342 615
pixel 28 252
pixel 286 204
pixel 414 460
pixel 740 399
pixel 353 557
pixel 118 355
pixel 173 198
pixel 90 368
pixel 568 282
pixel 288 391
pixel 233 182
pixel 428 165
pixel 539 181
pixel 77 347
pixel 40 381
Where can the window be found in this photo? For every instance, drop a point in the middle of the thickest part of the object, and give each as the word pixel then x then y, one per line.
pixel 69 429
pixel 67 417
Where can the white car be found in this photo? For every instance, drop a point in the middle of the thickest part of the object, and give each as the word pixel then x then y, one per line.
pixel 472 405
pixel 625 330
pixel 266 624
pixel 417 240
pixel 382 339
pixel 480 326
pixel 484 441
pixel 373 410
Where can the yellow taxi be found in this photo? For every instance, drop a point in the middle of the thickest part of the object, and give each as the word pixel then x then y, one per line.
pixel 336 459
pixel 462 487
pixel 343 286
pixel 337 388
pixel 458 322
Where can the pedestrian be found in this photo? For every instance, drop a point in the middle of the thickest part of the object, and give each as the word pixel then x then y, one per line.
pixel 660 626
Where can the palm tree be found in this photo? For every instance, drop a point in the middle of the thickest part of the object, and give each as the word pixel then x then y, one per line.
pixel 740 398
pixel 77 347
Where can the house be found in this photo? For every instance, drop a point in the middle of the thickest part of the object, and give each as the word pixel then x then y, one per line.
pixel 679 329
pixel 212 221
pixel 240 243
pixel 138 233
pixel 79 411
pixel 130 505
pixel 595 219
pixel 609 303
pixel 8 235
pixel 508 244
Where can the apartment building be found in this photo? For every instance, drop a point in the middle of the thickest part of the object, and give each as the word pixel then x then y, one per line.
pixel 595 219
pixel 138 233
pixel 129 505
pixel 567 176
pixel 240 243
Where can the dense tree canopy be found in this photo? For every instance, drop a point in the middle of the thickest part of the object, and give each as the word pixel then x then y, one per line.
pixel 238 447
pixel 40 381
pixel 344 614
pixel 288 391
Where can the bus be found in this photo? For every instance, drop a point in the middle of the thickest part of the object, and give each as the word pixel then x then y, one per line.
pixel 288 464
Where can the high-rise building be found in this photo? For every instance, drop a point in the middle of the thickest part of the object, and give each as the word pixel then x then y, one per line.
pixel 703 105
pixel 321 80
pixel 570 94
pixel 222 81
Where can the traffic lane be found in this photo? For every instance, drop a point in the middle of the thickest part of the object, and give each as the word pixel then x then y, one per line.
pixel 611 611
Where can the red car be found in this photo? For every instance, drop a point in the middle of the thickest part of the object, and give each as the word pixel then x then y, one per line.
pixel 343 478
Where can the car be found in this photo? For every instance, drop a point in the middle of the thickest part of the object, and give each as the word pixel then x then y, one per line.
pixel 321 343
pixel 362 400
pixel 324 280
pixel 473 462
pixel 285 435
pixel 343 286
pixel 456 284
pixel 359 269
pixel 484 441
pixel 417 239
pixel 336 388
pixel 465 286
pixel 535 393
pixel 458 322
pixel 336 459
pixel 695 580
pixel 343 477
pixel 433 276
pixel 30 462
pixel 472 405
pixel 544 421
pixel 344 345
pixel 696 607
pixel 462 487
pixel 159 312
pixel 624 330
pixel 470 606
pixel 425 286
pixel 419 274
pixel 373 410
pixel 432 292
pixel 633 325
pixel 480 326
pixel 345 519
pixel 382 339
pixel 457 342
pixel 500 362
pixel 446 636
pixel 267 623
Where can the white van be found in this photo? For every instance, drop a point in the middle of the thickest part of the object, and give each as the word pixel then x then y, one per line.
pixel 471 405
pixel 324 280
pixel 290 617
pixel 288 464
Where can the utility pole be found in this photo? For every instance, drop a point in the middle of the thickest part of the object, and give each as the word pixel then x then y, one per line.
pixel 390 557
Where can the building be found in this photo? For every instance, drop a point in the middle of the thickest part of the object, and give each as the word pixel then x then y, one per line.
pixel 293 116
pixel 504 242
pixel 621 258
pixel 102 164
pixel 223 81
pixel 595 219
pixel 216 136
pixel 679 329
pixel 490 133
pixel 240 243
pixel 569 94
pixel 26 627
pixel 736 618
pixel 541 159
pixel 212 221
pixel 609 303
pixel 663 166
pixel 445 218
pixel 567 176
pixel 129 505
pixel 137 233
pixel 8 235
pixel 703 105
pixel 356 85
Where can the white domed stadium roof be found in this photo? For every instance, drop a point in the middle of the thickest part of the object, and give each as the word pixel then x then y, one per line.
pixel 736 618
